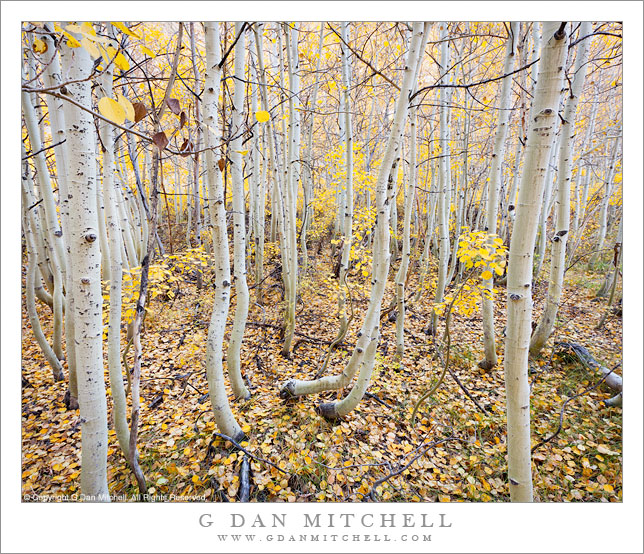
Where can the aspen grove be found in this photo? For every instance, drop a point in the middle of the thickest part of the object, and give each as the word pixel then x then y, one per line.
pixel 331 261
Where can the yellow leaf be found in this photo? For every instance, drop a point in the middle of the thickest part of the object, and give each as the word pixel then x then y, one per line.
pixel 127 107
pixel 112 110
pixel 123 28
pixel 74 28
pixel 39 46
pixel 121 62
pixel 608 488
pixel 262 116
pixel 86 27
pixel 486 274
pixel 90 47
pixel 147 51
pixel 58 467
pixel 242 152
pixel 71 41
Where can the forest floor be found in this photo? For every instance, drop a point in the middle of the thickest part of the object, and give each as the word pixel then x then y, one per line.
pixel 454 452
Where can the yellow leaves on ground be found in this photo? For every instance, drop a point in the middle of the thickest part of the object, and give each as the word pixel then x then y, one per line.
pixel 262 116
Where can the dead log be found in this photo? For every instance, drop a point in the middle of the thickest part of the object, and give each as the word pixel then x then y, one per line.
pixel 577 353
pixel 244 480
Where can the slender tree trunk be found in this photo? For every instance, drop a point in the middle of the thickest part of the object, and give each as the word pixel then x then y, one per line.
pixel 307 174
pixel 443 202
pixel 119 410
pixel 52 226
pixel 410 193
pixel 239 217
pixel 363 356
pixel 519 307
pixel 224 417
pixel 291 185
pixel 558 255
pixel 32 269
pixel 608 188
pixel 347 197
pixel 617 260
pixel 496 173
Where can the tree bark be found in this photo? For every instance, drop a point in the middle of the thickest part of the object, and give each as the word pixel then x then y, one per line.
pixel 363 356
pixel 560 239
pixel 85 269
pixel 496 170
pixel 239 218
pixel 519 289
pixel 224 417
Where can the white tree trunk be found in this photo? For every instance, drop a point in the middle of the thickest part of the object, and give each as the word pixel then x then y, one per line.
pixel 608 190
pixel 558 253
pixel 363 355
pixel 32 269
pixel 86 278
pixel 291 185
pixel 119 410
pixel 347 196
pixel 444 199
pixel 239 217
pixel 496 173
pixel 410 195
pixel 224 417
pixel 519 289
pixel 53 230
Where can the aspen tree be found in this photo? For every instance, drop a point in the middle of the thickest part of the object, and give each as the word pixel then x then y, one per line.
pixel 57 108
pixel 257 196
pixel 560 238
pixel 540 245
pixel 119 410
pixel 224 417
pixel 608 191
pixel 51 223
pixel 363 356
pixel 496 172
pixel 409 195
pixel 85 268
pixel 519 290
pixel 197 144
pixel 32 269
pixel 582 180
pixel 291 185
pixel 347 196
pixel 239 216
pixel 443 201
pixel 277 215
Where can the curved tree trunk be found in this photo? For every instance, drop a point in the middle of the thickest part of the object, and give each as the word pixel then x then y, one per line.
pixel 224 417
pixel 363 355
pixel 239 221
